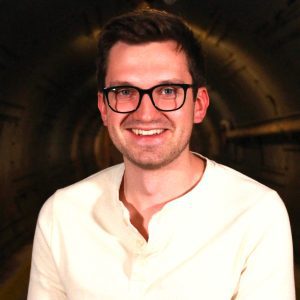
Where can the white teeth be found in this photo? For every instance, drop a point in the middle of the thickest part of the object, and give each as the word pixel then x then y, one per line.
pixel 147 132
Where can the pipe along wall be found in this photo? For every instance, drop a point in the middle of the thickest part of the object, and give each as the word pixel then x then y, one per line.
pixel 50 130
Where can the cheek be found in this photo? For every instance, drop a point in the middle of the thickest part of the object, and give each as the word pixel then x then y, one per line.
pixel 113 125
pixel 113 134
pixel 188 114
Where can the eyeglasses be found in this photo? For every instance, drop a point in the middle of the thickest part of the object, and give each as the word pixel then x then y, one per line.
pixel 164 97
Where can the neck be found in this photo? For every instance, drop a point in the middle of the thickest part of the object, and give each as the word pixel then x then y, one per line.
pixel 145 188
pixel 144 192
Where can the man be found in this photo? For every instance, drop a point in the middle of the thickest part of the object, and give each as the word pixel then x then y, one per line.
pixel 168 223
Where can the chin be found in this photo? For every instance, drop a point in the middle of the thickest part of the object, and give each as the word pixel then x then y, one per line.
pixel 152 163
pixel 148 165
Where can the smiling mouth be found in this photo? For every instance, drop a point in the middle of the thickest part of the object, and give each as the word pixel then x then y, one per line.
pixel 147 132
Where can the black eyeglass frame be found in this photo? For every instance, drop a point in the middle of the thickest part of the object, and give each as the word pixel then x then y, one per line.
pixel 148 92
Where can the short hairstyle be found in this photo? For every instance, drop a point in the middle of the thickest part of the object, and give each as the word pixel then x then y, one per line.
pixel 150 25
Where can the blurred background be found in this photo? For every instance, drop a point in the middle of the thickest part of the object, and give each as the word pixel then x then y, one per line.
pixel 51 134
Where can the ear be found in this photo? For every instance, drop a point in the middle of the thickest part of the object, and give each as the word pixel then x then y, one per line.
pixel 201 104
pixel 102 108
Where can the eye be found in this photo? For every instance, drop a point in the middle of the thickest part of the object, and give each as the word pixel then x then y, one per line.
pixel 168 91
pixel 124 92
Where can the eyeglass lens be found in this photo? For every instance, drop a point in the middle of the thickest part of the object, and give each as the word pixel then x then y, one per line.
pixel 165 97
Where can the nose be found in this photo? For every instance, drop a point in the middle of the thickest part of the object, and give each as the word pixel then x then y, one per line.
pixel 146 111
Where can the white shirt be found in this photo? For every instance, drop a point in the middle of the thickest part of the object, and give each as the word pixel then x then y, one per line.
pixel 227 239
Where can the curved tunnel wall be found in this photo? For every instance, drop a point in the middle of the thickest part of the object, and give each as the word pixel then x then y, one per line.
pixel 50 129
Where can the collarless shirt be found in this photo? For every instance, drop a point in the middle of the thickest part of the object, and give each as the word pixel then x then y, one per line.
pixel 226 239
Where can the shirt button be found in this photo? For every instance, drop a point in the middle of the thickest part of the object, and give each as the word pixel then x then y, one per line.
pixel 140 243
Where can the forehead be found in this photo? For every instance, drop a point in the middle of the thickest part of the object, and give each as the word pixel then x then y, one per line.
pixel 154 61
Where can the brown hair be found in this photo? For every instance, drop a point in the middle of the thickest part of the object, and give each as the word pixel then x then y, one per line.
pixel 150 25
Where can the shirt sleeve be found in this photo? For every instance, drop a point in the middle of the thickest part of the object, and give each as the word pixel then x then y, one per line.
pixel 44 281
pixel 268 272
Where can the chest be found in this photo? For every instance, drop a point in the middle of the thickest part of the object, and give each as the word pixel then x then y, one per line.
pixel 174 266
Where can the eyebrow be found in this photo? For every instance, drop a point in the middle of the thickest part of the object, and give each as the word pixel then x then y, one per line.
pixel 127 83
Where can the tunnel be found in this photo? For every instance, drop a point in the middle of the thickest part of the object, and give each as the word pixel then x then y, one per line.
pixel 51 131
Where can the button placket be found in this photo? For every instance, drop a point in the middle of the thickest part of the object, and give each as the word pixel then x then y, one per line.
pixel 138 282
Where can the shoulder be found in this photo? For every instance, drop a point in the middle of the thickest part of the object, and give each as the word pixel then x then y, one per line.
pixel 93 185
pixel 81 196
pixel 235 182
pixel 241 194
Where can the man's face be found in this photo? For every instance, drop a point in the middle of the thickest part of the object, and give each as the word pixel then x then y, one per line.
pixel 147 137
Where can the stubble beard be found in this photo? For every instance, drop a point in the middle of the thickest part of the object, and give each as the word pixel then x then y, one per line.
pixel 151 158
